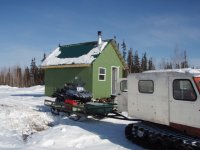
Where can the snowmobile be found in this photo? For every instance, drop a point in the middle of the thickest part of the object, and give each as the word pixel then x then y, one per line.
pixel 73 91
pixel 75 101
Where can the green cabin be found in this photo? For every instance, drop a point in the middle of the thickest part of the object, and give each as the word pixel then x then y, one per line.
pixel 98 64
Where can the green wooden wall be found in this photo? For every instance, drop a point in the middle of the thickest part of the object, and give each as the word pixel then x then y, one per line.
pixel 56 77
pixel 107 59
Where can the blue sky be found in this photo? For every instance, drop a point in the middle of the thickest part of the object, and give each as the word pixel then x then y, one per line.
pixel 30 28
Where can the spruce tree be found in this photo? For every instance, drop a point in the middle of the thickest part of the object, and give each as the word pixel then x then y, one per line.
pixel 151 66
pixel 44 57
pixel 124 50
pixel 144 62
pixel 40 76
pixel 136 63
pixel 33 72
pixel 130 60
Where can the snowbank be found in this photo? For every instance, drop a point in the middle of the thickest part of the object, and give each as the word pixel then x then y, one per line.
pixel 27 124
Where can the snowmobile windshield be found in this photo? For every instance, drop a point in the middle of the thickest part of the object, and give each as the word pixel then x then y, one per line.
pixel 80 89
pixel 197 82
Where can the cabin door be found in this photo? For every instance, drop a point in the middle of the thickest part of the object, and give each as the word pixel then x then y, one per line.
pixel 114 80
pixel 184 104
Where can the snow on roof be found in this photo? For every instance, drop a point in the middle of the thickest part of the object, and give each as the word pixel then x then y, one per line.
pixel 88 58
pixel 183 71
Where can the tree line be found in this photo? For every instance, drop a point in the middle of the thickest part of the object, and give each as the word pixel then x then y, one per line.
pixel 135 63
pixel 23 77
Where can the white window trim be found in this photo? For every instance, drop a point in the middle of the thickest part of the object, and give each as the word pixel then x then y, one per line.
pixel 101 74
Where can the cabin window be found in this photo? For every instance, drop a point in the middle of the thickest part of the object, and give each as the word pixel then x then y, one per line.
pixel 146 86
pixel 102 74
pixel 183 90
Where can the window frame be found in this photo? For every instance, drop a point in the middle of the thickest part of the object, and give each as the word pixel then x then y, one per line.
pixel 101 74
pixel 122 85
pixel 197 83
pixel 192 86
pixel 143 91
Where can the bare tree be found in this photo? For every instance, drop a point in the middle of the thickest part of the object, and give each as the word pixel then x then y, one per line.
pixel 19 77
pixel 180 59
pixel 184 63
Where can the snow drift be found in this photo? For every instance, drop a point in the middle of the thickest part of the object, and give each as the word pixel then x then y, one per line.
pixel 27 124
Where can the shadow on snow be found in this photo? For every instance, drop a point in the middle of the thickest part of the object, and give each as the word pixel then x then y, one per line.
pixel 31 95
pixel 114 132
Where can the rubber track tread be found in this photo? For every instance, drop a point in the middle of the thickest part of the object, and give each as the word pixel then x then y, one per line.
pixel 159 137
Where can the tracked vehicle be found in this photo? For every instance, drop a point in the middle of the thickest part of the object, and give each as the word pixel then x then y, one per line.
pixel 168 104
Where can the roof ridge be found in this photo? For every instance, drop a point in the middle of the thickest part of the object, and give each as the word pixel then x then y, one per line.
pixel 75 44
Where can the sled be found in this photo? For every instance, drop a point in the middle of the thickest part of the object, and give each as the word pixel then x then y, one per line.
pixel 77 110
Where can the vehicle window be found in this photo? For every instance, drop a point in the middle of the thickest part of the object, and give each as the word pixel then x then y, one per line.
pixel 123 86
pixel 146 86
pixel 197 82
pixel 183 90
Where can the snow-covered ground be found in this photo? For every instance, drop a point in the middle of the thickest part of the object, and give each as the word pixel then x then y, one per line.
pixel 25 123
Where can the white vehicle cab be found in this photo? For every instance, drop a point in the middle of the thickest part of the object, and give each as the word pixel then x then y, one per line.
pixel 165 97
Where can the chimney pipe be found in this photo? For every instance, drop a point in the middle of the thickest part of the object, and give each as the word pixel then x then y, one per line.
pixel 99 38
